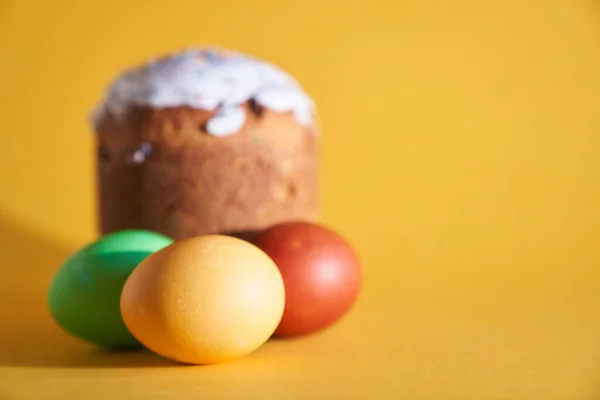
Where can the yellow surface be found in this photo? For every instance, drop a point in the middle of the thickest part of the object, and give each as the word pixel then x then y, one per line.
pixel 461 156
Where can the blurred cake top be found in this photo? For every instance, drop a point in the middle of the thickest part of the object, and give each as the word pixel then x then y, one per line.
pixel 210 79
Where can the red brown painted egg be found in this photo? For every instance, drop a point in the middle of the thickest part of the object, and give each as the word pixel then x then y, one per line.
pixel 321 274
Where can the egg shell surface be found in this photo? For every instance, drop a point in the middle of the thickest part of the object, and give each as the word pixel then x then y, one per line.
pixel 204 300
pixel 84 296
pixel 321 272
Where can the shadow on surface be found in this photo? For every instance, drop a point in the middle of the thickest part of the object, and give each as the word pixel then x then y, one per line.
pixel 28 335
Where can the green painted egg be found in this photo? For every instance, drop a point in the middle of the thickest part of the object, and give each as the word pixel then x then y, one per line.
pixel 85 293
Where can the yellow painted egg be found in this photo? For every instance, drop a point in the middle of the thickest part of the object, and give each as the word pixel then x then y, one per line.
pixel 204 300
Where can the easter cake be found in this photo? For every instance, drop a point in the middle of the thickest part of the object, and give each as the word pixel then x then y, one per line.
pixel 205 141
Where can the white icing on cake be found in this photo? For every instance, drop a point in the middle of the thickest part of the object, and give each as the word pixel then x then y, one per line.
pixel 213 80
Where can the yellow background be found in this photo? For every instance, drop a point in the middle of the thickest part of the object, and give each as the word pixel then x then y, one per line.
pixel 460 155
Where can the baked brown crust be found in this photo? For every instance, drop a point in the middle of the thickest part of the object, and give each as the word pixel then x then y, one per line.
pixel 193 183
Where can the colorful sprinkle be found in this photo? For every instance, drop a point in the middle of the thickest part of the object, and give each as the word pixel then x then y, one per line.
pixel 142 153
